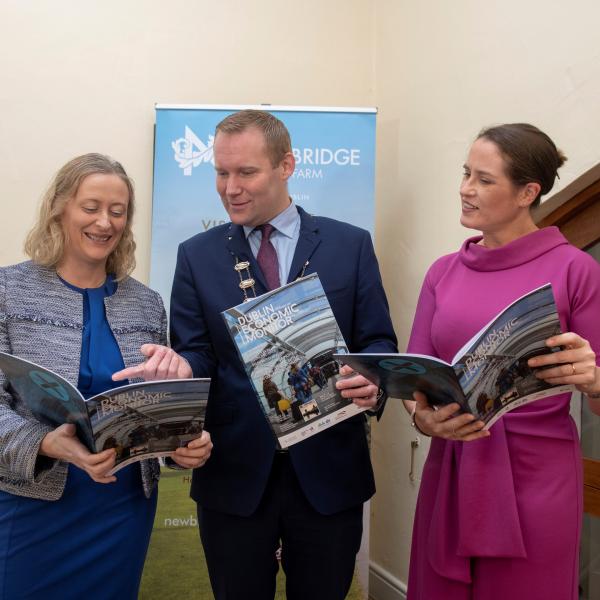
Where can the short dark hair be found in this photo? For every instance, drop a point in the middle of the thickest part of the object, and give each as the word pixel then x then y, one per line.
pixel 277 138
pixel 530 155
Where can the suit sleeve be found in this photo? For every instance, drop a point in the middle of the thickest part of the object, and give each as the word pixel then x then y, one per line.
pixel 372 330
pixel 190 336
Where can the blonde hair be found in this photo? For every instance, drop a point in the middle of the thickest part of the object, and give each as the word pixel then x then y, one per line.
pixel 277 137
pixel 45 243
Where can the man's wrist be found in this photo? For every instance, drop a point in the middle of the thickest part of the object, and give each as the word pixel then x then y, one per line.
pixel 381 398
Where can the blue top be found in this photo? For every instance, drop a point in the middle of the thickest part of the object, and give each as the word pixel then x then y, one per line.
pixel 45 544
pixel 100 353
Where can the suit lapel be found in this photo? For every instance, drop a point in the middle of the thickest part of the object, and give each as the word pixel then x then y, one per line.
pixel 237 245
pixel 308 241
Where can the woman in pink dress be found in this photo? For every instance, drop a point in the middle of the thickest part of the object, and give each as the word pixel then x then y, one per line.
pixel 499 511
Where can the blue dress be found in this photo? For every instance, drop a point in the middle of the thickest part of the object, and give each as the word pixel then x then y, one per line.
pixel 92 542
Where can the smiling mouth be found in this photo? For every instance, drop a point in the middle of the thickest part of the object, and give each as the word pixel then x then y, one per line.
pixel 468 205
pixel 98 238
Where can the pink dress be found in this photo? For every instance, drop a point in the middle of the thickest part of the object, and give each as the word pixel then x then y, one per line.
pixel 500 518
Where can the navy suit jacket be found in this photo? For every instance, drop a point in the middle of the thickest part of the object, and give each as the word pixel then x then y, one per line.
pixel 333 467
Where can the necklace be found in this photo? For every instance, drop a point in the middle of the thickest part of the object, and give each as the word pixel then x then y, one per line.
pixel 247 282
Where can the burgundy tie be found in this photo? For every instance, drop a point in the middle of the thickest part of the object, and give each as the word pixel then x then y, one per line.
pixel 267 257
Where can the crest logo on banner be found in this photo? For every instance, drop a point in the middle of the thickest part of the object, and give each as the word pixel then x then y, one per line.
pixel 191 151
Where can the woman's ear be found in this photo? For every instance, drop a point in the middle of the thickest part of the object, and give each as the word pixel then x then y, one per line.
pixel 530 192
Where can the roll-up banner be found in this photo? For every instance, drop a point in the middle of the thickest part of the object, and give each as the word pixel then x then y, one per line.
pixel 334 150
pixel 334 177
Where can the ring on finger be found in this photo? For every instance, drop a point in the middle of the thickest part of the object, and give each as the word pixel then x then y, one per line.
pixel 573 367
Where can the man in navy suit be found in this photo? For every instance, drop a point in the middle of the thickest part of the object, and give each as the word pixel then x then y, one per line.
pixel 252 497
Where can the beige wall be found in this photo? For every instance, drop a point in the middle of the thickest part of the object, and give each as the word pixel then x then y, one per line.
pixel 442 71
pixel 82 75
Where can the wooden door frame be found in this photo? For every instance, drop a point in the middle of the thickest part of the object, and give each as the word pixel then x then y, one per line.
pixel 576 212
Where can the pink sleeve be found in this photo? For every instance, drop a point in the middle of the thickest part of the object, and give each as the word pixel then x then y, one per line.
pixel 584 299
pixel 420 337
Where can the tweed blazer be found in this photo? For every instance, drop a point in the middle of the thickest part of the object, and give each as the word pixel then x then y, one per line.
pixel 41 320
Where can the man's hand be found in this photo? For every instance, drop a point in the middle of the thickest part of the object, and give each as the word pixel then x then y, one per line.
pixel 357 388
pixel 161 363
pixel 195 454
pixel 62 443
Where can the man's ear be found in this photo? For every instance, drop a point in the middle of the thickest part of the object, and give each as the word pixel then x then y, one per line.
pixel 288 164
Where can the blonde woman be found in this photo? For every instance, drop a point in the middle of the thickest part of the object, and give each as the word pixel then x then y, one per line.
pixel 67 528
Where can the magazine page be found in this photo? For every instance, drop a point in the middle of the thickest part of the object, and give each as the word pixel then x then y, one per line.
pixel 491 418
pixel 148 419
pixel 488 327
pixel 51 398
pixel 399 375
pixel 287 339
pixel 493 371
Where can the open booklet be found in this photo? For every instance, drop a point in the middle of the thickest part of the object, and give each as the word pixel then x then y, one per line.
pixel 139 420
pixel 286 340
pixel 489 375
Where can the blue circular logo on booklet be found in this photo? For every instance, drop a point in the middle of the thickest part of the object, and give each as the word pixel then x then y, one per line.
pixel 402 366
pixel 49 385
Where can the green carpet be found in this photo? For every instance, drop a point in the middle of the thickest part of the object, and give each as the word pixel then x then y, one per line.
pixel 175 565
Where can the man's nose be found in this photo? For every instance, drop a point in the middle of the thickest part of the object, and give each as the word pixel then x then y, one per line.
pixel 233 186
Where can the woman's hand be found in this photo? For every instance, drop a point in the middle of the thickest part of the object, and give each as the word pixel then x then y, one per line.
pixel 575 364
pixel 445 423
pixel 195 454
pixel 357 388
pixel 161 363
pixel 62 443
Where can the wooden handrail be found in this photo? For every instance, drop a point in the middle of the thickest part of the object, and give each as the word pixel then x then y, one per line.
pixel 577 217
pixel 591 486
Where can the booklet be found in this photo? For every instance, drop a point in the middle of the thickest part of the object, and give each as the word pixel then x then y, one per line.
pixel 139 420
pixel 286 340
pixel 489 375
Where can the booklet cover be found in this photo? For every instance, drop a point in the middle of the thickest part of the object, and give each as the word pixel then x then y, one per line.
pixel 489 375
pixel 140 420
pixel 287 339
